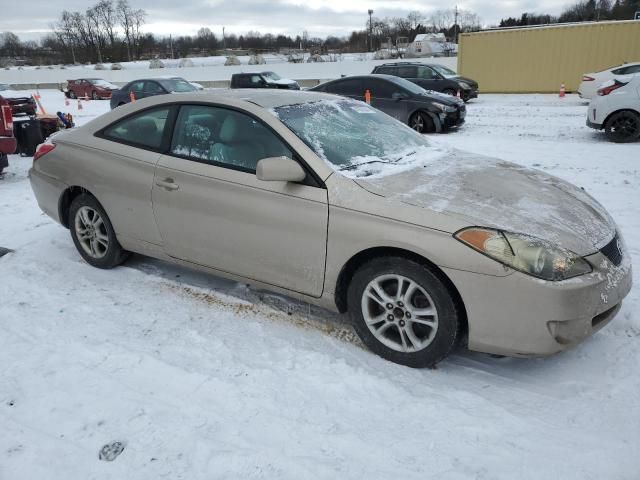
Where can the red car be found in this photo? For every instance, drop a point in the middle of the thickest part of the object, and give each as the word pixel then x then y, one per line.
pixel 7 140
pixel 94 88
pixel 19 101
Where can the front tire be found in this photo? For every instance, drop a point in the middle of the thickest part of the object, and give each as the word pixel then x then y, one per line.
pixel 72 94
pixel 93 234
pixel 421 123
pixel 623 127
pixel 403 312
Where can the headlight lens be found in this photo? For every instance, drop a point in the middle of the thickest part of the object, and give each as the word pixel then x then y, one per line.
pixel 526 254
pixel 443 107
pixel 464 86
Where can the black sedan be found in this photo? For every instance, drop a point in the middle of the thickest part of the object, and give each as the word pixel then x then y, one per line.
pixel 422 110
pixel 148 87
pixel 432 76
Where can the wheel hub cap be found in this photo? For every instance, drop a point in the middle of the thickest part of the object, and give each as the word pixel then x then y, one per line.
pixel 399 313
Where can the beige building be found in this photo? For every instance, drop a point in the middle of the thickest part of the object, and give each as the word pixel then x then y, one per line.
pixel 539 59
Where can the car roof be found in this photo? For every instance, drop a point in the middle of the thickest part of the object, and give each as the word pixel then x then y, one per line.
pixel 381 76
pixel 262 97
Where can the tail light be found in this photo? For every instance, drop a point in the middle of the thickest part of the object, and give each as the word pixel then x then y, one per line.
pixel 610 88
pixel 43 149
pixel 587 78
pixel 7 117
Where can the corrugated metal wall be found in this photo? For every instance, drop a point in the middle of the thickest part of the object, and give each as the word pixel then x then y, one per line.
pixel 539 59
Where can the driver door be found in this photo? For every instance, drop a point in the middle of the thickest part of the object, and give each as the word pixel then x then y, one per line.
pixel 212 210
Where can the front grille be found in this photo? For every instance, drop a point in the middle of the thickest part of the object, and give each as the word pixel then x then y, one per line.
pixel 613 250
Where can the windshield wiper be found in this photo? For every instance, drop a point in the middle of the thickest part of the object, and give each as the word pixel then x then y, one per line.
pixel 356 165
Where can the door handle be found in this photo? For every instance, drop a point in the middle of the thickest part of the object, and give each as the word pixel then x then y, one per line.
pixel 168 184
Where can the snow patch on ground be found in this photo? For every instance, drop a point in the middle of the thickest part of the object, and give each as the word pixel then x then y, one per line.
pixel 205 378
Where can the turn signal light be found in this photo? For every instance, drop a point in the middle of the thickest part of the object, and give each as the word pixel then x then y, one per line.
pixel 587 78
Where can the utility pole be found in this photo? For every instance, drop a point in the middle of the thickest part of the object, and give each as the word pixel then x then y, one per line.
pixel 370 30
pixel 171 45
pixel 224 42
pixel 455 25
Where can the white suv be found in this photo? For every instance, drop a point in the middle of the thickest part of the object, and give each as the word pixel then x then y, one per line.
pixel 616 109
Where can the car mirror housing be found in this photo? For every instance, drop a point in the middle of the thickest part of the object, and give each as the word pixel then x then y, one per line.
pixel 279 169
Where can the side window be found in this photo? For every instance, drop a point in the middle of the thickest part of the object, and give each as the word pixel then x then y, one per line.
pixel 221 136
pixel 152 88
pixel 256 81
pixel 406 72
pixel 619 71
pixel 633 69
pixel 382 89
pixel 347 87
pixel 386 70
pixel 136 87
pixel 144 129
pixel 426 73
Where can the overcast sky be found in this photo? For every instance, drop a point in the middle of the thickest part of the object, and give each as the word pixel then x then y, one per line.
pixel 318 17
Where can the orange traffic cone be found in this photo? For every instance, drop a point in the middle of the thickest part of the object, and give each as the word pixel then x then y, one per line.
pixel 132 96
pixel 563 92
pixel 367 96
pixel 79 104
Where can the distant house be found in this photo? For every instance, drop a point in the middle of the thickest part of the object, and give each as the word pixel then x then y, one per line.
pixel 430 45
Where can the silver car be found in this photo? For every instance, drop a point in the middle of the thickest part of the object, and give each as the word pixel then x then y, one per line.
pixel 328 200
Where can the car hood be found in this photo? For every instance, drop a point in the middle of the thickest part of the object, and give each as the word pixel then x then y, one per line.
pixel 487 192
pixel 15 96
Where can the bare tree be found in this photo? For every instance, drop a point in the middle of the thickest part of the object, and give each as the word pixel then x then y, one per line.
pixel 124 14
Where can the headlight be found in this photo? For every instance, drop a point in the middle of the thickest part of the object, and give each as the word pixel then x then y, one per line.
pixel 444 108
pixel 464 86
pixel 526 254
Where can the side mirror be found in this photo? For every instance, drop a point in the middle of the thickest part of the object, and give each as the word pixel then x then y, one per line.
pixel 279 169
pixel 398 96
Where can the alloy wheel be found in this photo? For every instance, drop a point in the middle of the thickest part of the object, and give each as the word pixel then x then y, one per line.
pixel 417 123
pixel 399 313
pixel 625 126
pixel 91 232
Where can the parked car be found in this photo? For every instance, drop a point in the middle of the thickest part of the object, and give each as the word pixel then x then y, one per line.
pixel 20 102
pixel 7 140
pixel 149 87
pixel 591 82
pixel 616 109
pixel 94 88
pixel 331 201
pixel 405 101
pixel 262 80
pixel 432 76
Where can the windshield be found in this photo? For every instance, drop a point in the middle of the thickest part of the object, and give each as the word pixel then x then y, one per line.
pixel 177 85
pixel 442 70
pixel 350 134
pixel 272 75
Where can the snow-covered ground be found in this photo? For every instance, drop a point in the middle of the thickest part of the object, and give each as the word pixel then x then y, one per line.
pixel 202 378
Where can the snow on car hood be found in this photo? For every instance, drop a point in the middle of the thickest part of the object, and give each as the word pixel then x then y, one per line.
pixel 493 193
pixel 15 94
pixel 282 81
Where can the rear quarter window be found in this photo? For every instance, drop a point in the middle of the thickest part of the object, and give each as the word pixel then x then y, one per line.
pixel 145 129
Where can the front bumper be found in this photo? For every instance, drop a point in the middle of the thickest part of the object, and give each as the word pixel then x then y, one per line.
pixel 534 317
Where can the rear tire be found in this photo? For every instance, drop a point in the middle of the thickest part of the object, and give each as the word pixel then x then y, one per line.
pixel 403 312
pixel 623 127
pixel 421 123
pixel 93 234
pixel 94 95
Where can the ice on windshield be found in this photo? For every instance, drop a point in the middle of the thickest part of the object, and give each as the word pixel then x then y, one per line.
pixel 356 139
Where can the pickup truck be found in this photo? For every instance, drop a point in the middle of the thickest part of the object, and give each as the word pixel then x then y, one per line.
pixel 7 140
pixel 262 80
